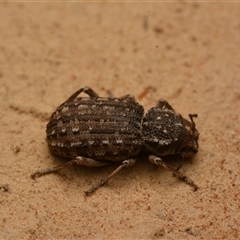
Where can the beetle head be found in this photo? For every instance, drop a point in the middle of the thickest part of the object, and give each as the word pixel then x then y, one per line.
pixel 190 136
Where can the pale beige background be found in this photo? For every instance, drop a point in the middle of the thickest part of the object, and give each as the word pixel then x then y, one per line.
pixel 188 52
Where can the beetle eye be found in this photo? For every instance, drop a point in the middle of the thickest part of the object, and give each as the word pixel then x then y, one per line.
pixel 188 151
pixel 194 150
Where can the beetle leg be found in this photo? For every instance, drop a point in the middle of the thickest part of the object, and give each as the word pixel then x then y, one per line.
pixel 191 116
pixel 110 94
pixel 78 160
pixel 158 161
pixel 163 104
pixel 180 165
pixel 128 96
pixel 89 162
pixel 86 90
pixel 86 162
pixel 125 163
pixel 52 169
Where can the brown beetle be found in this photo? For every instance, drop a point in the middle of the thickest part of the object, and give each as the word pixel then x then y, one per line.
pixel 96 131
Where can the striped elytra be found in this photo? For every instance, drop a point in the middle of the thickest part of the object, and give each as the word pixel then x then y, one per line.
pixel 96 127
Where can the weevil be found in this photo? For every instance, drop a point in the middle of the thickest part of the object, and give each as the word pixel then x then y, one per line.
pixel 96 131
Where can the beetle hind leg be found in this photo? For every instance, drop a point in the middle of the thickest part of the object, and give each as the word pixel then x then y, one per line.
pixel 46 171
pixel 86 162
pixel 125 163
pixel 78 160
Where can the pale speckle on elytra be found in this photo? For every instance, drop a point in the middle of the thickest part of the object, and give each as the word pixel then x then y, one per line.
pixel 90 142
pixel 115 151
pixel 76 121
pixel 100 153
pixel 108 108
pixel 80 107
pixel 60 122
pixel 72 144
pixel 75 129
pixel 105 141
pixel 65 109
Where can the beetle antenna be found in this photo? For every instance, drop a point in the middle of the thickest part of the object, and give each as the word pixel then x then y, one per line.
pixel 191 116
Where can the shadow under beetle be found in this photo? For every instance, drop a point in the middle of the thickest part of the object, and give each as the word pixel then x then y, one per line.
pixel 96 131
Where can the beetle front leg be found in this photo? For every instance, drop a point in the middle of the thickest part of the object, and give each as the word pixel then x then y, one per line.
pixel 158 161
pixel 125 163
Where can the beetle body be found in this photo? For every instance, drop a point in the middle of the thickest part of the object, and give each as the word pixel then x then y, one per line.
pixel 99 128
pixel 96 131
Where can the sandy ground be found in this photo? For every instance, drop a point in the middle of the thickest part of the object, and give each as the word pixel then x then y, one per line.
pixel 188 53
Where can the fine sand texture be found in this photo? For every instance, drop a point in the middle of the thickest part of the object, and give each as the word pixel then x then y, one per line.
pixel 185 52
